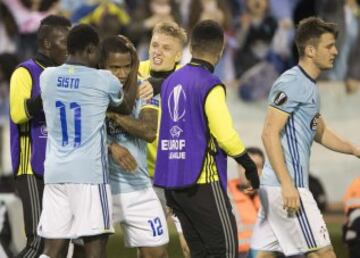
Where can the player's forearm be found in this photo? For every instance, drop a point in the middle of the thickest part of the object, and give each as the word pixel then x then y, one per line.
pixel 127 105
pixel 34 106
pixel 136 127
pixel 332 141
pixel 272 144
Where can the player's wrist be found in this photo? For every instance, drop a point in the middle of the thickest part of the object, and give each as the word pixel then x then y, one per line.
pixel 355 151
pixel 110 146
pixel 286 183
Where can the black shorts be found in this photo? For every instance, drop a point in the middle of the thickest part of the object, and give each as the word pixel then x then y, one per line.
pixel 206 217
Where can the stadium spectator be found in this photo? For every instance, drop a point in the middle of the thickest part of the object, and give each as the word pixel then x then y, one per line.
pixel 256 32
pixel 110 18
pixel 344 13
pixel 146 16
pixel 283 9
pixel 218 11
pixel 70 7
pixel 289 217
pixel 8 30
pixel 8 63
pixel 263 50
pixel 195 131
pixel 28 15
pixel 28 129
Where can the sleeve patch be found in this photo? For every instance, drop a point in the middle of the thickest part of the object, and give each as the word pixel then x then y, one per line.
pixel 153 102
pixel 280 98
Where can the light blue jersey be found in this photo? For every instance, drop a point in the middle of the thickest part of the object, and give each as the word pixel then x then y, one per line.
pixel 75 100
pixel 122 181
pixel 296 93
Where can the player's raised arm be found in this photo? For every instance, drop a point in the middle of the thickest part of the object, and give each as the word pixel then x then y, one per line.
pixel 329 139
pixel 143 127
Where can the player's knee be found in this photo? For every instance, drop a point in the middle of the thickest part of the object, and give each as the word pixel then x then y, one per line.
pixel 153 252
pixel 326 252
pixel 263 254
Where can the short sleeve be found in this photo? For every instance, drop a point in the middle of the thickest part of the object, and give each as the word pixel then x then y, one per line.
pixel 116 93
pixel 286 96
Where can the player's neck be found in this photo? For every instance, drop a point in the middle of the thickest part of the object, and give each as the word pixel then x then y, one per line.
pixel 207 58
pixel 310 68
pixel 162 74
pixel 77 60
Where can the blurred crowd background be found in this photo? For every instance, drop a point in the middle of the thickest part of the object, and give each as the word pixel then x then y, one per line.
pixel 259 47
pixel 259 37
pixel 259 33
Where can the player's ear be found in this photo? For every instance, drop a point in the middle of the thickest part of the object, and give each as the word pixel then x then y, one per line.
pixel 178 56
pixel 101 64
pixel 90 49
pixel 47 44
pixel 310 51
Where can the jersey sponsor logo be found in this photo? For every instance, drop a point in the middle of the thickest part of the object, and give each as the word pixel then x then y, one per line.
pixel 113 128
pixel 280 98
pixel 176 103
pixel 314 122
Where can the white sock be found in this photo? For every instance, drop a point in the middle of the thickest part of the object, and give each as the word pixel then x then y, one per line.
pixel 44 256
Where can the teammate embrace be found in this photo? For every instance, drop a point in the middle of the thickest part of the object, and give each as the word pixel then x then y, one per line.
pixel 101 144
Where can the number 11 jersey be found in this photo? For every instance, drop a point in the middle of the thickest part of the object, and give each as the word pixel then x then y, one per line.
pixel 75 100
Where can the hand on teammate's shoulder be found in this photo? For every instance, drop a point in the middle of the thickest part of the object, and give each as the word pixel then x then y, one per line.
pixel 145 91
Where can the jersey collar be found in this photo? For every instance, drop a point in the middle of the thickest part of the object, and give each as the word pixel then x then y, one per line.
pixel 202 63
pixel 162 74
pixel 43 60
pixel 306 74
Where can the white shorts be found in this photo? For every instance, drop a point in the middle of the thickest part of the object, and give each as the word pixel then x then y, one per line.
pixel 75 210
pixel 141 217
pixel 276 231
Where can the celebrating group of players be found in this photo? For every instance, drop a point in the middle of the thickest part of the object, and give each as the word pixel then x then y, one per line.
pixel 86 120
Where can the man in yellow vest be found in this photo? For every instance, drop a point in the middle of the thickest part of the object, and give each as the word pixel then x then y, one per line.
pixel 351 229
pixel 245 203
